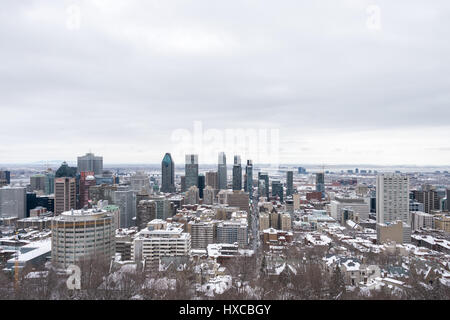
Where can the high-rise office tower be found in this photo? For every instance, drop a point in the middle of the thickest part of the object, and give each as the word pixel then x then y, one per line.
pixel 392 198
pixel 5 177
pixel 222 171
pixel 90 162
pixel 126 201
pixel 65 194
pixel 49 182
pixel 201 185
pixel 208 195
pixel 163 207
pixel 237 173
pixel 191 171
pixel 277 189
pixel 146 212
pixel 87 180
pixel 248 187
pixel 139 181
pixel 167 174
pixel 37 182
pixel 428 196
pixel 13 202
pixel 192 195
pixel 263 184
pixel 211 179
pixel 289 183
pixel 320 183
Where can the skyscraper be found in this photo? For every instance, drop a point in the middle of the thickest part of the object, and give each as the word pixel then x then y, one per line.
pixel 211 179
pixel 191 171
pixel 49 182
pixel 392 198
pixel 249 178
pixel 289 183
pixel 65 194
pixel 429 197
pixel 37 182
pixel 139 181
pixel 320 183
pixel 208 195
pixel 263 184
pixel 201 185
pixel 222 171
pixel 126 201
pixel 277 189
pixel 192 195
pixel 167 174
pixel 237 173
pixel 13 202
pixel 5 177
pixel 146 212
pixel 90 162
pixel 87 180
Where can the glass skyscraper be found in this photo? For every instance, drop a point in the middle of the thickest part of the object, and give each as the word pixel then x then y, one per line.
pixel 222 171
pixel 167 174
pixel 191 171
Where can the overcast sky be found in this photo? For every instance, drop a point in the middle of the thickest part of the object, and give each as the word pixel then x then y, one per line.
pixel 126 78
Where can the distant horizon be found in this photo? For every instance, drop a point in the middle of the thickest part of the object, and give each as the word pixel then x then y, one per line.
pixel 361 166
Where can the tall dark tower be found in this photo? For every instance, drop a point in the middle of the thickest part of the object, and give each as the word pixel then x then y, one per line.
pixel 249 178
pixel 320 183
pixel 289 183
pixel 167 174
pixel 237 173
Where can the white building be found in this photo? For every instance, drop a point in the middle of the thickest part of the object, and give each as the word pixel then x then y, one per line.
pixel 421 220
pixel 151 245
pixel 82 233
pixel 392 198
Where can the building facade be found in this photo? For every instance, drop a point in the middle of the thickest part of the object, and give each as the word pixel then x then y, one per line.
pixel 237 173
pixel 167 174
pixel 222 171
pixel 79 234
pixel 65 194
pixel 392 198
pixel 90 162
pixel 191 171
